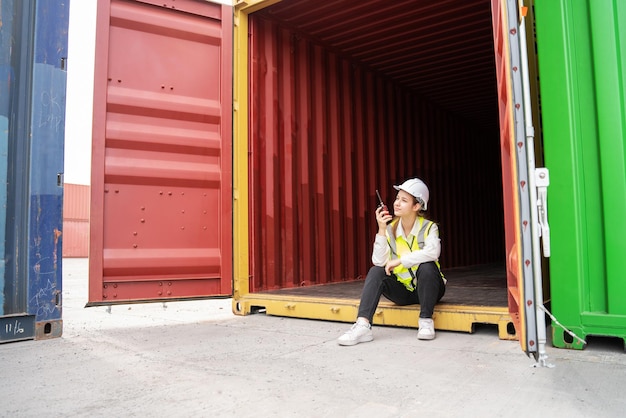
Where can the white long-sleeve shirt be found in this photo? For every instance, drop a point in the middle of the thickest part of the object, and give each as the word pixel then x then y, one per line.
pixel 431 251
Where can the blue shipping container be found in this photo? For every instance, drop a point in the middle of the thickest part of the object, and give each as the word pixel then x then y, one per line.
pixel 33 51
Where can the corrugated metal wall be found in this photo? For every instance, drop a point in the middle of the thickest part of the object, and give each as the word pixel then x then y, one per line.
pixel 76 220
pixel 33 56
pixel 582 60
pixel 161 185
pixel 326 132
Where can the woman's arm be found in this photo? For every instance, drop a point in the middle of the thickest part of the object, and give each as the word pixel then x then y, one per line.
pixel 380 253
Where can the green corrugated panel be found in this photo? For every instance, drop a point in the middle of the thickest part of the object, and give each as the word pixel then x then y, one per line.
pixel 582 70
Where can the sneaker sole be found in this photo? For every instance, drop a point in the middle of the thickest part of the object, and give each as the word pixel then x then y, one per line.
pixel 425 337
pixel 355 342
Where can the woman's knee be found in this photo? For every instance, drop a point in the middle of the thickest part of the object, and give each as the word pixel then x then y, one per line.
pixel 376 273
pixel 429 270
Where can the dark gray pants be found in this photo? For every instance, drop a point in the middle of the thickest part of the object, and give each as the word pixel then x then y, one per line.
pixel 430 290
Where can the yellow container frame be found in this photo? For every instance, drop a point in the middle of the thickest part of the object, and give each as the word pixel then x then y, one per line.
pixel 447 317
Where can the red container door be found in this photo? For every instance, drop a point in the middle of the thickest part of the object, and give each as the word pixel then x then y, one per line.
pixel 161 195
pixel 515 175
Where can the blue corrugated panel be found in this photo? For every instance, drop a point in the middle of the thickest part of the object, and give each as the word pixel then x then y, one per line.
pixel 46 165
pixel 6 29
pixel 33 50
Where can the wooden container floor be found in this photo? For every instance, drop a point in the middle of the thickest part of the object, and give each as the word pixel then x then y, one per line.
pixel 482 285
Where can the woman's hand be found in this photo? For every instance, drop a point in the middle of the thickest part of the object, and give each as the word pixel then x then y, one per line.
pixel 382 217
pixel 391 264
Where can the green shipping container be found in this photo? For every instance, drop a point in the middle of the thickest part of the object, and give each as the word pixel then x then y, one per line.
pixel 582 65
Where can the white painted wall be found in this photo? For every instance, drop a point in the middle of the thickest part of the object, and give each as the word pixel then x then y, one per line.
pixel 79 104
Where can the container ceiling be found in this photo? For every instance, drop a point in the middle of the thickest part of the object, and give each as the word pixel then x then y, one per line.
pixel 443 49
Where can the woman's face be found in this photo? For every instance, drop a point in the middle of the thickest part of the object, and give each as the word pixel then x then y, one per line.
pixel 404 204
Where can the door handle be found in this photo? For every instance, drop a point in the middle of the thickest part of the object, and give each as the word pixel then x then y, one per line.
pixel 542 181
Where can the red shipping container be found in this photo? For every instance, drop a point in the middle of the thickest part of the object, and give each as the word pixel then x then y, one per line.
pixel 76 220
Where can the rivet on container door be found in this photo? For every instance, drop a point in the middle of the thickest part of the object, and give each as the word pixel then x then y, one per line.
pixel 334 309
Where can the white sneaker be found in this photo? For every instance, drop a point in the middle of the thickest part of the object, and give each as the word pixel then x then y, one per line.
pixel 361 332
pixel 426 329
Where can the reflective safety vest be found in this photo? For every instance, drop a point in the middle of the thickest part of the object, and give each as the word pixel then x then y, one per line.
pixel 399 247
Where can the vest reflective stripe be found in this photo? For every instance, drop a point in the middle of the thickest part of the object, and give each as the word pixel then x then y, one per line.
pixel 402 247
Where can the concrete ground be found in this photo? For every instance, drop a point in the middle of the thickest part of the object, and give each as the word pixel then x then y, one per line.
pixel 196 359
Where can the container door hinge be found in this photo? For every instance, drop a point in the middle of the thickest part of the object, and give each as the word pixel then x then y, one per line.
pixel 542 181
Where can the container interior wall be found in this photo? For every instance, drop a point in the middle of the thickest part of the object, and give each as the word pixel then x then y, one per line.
pixel 326 131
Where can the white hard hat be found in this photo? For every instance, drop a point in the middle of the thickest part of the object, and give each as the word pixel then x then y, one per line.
pixel 416 188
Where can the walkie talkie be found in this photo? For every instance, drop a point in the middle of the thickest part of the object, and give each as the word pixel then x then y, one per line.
pixel 381 204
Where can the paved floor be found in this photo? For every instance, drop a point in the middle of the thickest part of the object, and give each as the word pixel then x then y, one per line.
pixel 196 359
